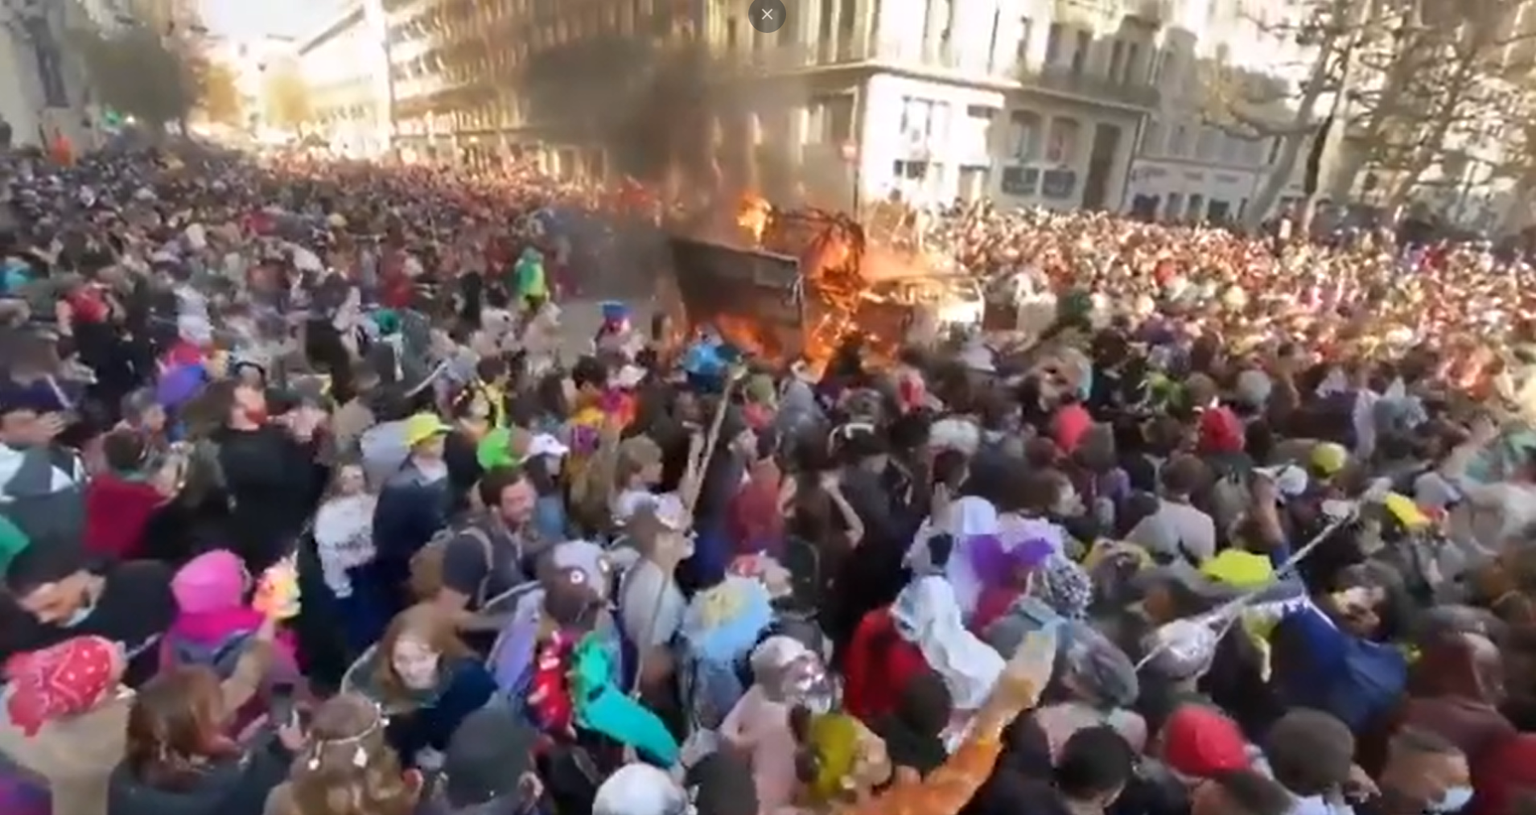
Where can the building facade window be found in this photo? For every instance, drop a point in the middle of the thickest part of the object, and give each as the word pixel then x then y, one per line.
pixel 1026 28
pixel 1082 52
pixel 1026 135
pixel 1055 43
pixel 1205 144
pixel 1153 139
pixel 1061 144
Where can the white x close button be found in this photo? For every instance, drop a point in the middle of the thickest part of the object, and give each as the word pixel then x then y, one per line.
pixel 766 16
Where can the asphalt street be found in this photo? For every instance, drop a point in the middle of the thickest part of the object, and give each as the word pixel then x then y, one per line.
pixel 580 318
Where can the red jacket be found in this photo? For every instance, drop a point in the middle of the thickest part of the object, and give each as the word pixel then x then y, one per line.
pixel 116 512
pixel 879 664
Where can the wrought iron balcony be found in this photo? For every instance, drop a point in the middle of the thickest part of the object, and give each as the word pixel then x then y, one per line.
pixel 1063 80
pixel 905 53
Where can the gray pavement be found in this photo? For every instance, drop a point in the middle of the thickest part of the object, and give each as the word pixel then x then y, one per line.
pixel 581 317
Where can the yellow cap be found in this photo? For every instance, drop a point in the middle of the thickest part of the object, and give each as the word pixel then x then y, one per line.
pixel 423 426
pixel 1329 457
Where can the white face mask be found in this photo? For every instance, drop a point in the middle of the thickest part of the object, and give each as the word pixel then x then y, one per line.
pixel 1453 800
pixel 81 614
pixel 416 663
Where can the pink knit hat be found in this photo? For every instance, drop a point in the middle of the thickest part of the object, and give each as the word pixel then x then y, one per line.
pixel 212 581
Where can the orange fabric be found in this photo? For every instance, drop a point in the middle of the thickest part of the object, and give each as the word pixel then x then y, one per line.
pixel 946 789
pixel 63 150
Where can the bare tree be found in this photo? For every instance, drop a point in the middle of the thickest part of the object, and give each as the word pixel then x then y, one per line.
pixel 1516 160
pixel 1365 54
pixel 1450 79
pixel 1401 85
pixel 1266 106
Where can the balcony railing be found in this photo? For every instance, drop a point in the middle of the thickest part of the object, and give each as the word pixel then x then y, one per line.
pixel 938 55
pixel 1152 11
pixel 1064 81
pixel 945 56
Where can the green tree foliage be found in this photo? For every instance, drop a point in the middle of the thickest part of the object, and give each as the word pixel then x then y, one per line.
pixel 141 71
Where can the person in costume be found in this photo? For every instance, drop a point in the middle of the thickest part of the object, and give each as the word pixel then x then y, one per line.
pixel 785 674
pixel 532 657
pixel 529 282
pixel 617 334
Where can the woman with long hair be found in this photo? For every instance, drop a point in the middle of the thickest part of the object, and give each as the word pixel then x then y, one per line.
pixel 343 535
pixel 348 768
pixel 178 758
pixel 427 680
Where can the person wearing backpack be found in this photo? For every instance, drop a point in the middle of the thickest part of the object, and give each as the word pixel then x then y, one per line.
pixel 493 553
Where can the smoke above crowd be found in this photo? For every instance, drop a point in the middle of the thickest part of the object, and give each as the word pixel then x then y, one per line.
pixel 663 111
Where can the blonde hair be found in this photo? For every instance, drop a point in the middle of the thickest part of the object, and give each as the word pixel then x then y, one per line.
pixel 348 769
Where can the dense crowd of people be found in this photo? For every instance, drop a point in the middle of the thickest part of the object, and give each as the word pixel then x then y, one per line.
pixel 307 508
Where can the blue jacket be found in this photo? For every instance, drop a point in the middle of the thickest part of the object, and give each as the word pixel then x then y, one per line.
pixel 1353 678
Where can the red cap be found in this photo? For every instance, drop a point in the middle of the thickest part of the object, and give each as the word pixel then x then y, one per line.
pixel 1199 742
pixel 1221 432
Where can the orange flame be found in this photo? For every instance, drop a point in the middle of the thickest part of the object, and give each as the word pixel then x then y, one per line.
pixel 752 216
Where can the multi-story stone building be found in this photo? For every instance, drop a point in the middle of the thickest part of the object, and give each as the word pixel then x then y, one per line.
pixel 1185 166
pixel 346 71
pixel 44 87
pixel 1066 103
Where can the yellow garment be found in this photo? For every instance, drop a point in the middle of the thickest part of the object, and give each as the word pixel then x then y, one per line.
pixel 495 401
pixel 835 739
pixel 1239 569
pixel 1248 571
pixel 584 436
pixel 1406 511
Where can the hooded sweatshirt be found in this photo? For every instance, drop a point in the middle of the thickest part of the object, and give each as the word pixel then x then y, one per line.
pixel 213 621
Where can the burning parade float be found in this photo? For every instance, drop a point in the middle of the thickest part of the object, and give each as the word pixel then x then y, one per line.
pixel 788 283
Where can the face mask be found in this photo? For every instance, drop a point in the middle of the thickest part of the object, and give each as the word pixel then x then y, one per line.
pixel 1453 800
pixel 81 615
